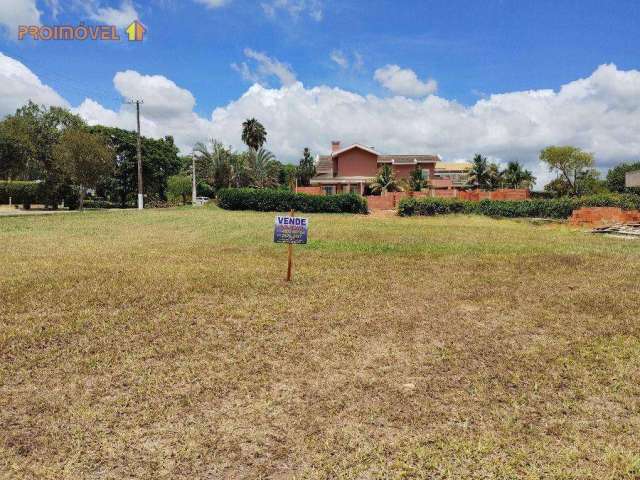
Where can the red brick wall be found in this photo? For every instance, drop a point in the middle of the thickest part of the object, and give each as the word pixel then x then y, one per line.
pixel 510 194
pixel 445 193
pixel 309 190
pixel 380 202
pixel 599 215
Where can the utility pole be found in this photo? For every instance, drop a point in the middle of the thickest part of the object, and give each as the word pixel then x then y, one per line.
pixel 139 149
pixel 193 180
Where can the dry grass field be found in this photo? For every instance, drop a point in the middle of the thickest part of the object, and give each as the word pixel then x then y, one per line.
pixel 166 345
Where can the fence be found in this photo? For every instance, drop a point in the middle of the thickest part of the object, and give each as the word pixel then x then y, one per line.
pixel 309 190
pixel 390 200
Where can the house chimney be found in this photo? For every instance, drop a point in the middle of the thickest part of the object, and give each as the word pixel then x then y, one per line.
pixel 335 146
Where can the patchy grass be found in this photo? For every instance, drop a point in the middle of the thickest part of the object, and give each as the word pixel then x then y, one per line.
pixel 166 344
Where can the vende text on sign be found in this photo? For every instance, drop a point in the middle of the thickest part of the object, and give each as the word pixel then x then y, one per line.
pixel 290 230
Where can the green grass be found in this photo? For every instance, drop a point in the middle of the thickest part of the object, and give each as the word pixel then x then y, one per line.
pixel 165 344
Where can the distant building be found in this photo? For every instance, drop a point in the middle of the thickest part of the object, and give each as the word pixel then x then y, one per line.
pixel 352 168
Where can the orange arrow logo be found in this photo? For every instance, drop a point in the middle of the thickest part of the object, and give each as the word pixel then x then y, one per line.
pixel 136 31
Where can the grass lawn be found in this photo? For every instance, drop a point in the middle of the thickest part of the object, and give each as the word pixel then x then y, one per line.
pixel 166 344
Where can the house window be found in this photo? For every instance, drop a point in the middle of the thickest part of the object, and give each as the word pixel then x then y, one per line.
pixel 354 189
pixel 329 189
pixel 425 174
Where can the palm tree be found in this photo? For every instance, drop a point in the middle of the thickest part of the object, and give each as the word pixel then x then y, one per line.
pixel 254 134
pixel 263 168
pixel 494 177
pixel 214 165
pixel 479 175
pixel 516 177
pixel 386 181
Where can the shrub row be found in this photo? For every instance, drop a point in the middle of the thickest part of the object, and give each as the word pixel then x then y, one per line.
pixel 266 200
pixel 24 193
pixel 555 208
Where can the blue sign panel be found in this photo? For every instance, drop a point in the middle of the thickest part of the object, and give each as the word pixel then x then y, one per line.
pixel 290 230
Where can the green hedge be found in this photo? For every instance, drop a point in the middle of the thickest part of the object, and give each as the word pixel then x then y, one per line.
pixel 555 208
pixel 21 193
pixel 267 200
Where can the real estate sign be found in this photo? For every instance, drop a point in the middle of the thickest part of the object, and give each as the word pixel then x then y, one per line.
pixel 290 230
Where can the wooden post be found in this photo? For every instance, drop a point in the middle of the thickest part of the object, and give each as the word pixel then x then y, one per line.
pixel 290 262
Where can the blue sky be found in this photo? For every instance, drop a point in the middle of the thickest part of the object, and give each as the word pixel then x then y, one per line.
pixel 469 47
pixel 430 58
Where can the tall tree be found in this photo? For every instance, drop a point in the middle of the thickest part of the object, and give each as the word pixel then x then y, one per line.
pixel 33 131
pixel 306 168
pixel 14 160
pixel 254 134
pixel 494 177
pixel 83 158
pixel 180 186
pixel 287 175
pixel 514 176
pixel 263 168
pixel 616 178
pixel 160 160
pixel 568 161
pixel 479 175
pixel 416 179
pixel 213 163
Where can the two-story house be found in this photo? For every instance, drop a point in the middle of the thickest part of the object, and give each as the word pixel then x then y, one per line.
pixel 352 168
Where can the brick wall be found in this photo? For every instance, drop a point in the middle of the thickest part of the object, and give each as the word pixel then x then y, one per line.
pixel 380 202
pixel 309 190
pixel 390 200
pixel 453 193
pixel 601 215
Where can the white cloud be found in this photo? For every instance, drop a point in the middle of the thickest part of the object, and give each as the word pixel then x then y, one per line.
pixel 403 81
pixel 120 17
pixel 14 13
pixel 340 58
pixel 162 97
pixel 599 113
pixel 355 61
pixel 295 8
pixel 266 67
pixel 213 3
pixel 18 85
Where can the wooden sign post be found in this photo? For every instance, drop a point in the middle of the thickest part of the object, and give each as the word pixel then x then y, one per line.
pixel 291 230
pixel 290 248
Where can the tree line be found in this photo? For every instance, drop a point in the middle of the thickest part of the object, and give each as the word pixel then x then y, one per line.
pixel 68 158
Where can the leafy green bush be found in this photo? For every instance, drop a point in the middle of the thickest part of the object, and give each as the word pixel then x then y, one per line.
pixel 71 197
pixel 267 200
pixel 554 208
pixel 24 193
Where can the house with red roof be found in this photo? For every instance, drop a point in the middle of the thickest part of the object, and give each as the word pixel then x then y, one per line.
pixel 352 168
